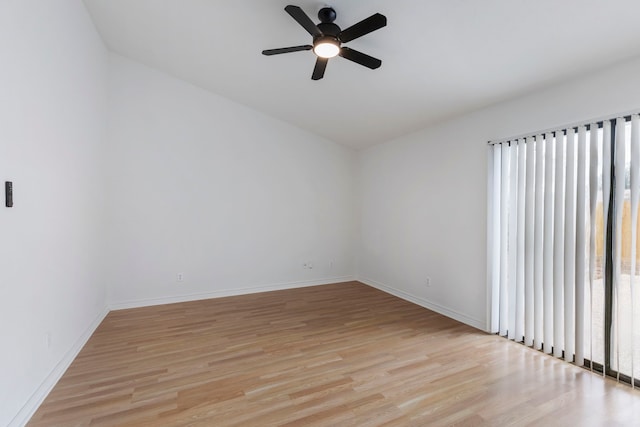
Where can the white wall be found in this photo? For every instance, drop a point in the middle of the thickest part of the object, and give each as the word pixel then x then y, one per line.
pixel 423 196
pixel 235 200
pixel 52 128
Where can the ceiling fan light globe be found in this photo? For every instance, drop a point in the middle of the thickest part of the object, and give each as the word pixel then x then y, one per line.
pixel 326 49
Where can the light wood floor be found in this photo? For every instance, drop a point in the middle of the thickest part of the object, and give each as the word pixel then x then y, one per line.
pixel 334 355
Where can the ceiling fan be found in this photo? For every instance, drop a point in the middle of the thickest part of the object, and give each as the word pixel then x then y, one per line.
pixel 328 38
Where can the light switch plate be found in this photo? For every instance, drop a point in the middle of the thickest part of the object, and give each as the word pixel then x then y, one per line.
pixel 8 194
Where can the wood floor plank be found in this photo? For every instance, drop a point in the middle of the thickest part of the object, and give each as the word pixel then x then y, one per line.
pixel 334 355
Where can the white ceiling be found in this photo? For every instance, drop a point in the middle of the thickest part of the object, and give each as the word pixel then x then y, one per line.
pixel 440 58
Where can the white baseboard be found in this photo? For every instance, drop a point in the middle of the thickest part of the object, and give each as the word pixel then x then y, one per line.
pixel 227 293
pixel 36 399
pixel 460 317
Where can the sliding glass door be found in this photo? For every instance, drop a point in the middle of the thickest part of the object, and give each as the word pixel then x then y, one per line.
pixel 563 243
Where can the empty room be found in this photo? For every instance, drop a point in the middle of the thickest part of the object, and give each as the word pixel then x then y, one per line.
pixel 378 213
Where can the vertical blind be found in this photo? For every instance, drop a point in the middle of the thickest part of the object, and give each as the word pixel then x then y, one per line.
pixel 561 203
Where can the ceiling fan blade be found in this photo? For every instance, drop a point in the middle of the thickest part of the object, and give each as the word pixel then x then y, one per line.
pixel 360 58
pixel 318 70
pixel 302 19
pixel 372 23
pixel 287 49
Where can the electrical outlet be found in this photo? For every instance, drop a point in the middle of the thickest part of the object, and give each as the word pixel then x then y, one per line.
pixel 180 277
pixel 427 282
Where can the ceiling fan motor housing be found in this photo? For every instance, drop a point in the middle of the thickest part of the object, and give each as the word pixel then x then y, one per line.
pixel 329 29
